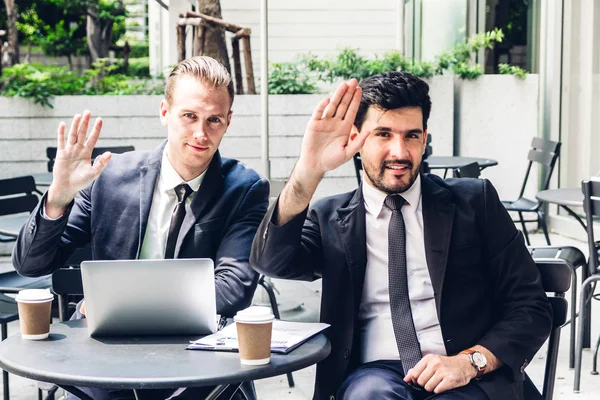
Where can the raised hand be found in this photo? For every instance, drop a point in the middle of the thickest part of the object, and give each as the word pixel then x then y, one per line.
pixel 73 169
pixel 326 143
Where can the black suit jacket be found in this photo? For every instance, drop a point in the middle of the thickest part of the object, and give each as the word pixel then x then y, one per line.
pixel 112 214
pixel 487 288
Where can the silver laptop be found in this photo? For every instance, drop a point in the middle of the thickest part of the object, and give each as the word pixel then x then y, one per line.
pixel 150 297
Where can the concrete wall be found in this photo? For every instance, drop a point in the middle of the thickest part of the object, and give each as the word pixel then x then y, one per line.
pixel 27 129
pixel 496 116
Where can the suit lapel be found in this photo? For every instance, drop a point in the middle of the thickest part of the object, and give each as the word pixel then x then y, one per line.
pixel 352 228
pixel 438 217
pixel 211 188
pixel 148 176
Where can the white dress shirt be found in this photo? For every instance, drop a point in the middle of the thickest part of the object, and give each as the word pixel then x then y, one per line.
pixel 164 201
pixel 378 341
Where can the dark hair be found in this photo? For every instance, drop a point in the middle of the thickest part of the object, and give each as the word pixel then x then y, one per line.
pixel 392 90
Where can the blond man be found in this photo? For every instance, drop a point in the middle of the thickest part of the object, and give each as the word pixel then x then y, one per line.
pixel 123 204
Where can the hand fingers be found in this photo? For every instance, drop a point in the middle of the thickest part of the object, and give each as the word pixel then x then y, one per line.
pixel 348 96
pixel 101 163
pixel 335 100
pixel 73 131
pixel 433 382
pixel 425 376
pixel 95 134
pixel 82 308
pixel 354 104
pixel 444 386
pixel 318 113
pixel 83 127
pixel 355 145
pixel 61 136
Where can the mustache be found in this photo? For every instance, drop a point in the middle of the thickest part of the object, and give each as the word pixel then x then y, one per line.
pixel 405 163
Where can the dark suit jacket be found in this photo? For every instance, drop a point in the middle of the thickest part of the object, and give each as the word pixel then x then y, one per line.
pixel 112 214
pixel 487 288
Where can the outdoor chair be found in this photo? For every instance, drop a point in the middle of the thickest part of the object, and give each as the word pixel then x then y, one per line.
pixel 574 259
pixel 16 196
pixel 467 171
pixel 424 164
pixel 556 278
pixel 51 153
pixel 591 206
pixel 544 152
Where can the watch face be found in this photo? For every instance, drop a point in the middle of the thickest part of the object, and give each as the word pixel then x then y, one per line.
pixel 479 359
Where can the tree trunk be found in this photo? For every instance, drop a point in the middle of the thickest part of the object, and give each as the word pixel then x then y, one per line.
pixel 214 36
pixel 13 34
pixel 99 32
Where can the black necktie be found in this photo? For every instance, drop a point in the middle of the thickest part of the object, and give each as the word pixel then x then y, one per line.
pixel 182 191
pixel 402 320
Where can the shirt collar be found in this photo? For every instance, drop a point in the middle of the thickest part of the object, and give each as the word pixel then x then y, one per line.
pixel 374 198
pixel 169 178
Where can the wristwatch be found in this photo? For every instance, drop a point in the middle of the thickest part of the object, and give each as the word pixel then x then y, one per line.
pixel 478 360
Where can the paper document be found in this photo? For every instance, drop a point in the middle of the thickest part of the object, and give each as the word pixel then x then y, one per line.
pixel 286 336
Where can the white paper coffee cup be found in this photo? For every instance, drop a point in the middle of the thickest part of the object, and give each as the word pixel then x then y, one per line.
pixel 254 327
pixel 35 307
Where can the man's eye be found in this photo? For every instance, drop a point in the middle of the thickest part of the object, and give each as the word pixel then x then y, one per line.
pixel 214 119
pixel 189 115
pixel 383 134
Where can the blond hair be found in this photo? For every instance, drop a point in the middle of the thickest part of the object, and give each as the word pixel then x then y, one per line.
pixel 206 69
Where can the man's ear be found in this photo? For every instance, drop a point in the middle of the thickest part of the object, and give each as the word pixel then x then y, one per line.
pixel 229 117
pixel 425 134
pixel 164 109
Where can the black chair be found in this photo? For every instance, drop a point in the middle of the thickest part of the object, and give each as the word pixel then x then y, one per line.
pixel 424 163
pixel 544 152
pixel 591 206
pixel 467 171
pixel 556 278
pixel 51 153
pixel 17 196
pixel 574 259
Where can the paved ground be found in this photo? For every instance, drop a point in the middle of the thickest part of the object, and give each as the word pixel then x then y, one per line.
pixel 277 388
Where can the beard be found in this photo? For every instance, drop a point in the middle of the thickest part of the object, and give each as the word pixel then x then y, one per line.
pixel 377 176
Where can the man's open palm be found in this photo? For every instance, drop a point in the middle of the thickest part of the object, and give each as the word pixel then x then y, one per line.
pixel 73 169
pixel 326 143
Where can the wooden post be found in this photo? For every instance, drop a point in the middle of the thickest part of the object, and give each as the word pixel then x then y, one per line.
pixel 248 65
pixel 237 65
pixel 199 40
pixel 180 43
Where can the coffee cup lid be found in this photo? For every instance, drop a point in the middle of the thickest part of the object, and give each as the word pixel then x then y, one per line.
pixel 255 314
pixel 34 295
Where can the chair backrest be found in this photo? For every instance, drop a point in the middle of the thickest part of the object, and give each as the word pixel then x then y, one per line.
pixel 66 282
pixel 591 206
pixel 544 152
pixel 17 195
pixel 51 153
pixel 424 165
pixel 468 171
pixel 556 279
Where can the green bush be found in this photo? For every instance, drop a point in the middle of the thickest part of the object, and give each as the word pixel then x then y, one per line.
pixel 507 69
pixel 41 83
pixel 289 78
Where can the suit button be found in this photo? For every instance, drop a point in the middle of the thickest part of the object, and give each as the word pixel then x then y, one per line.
pixel 346 354
pixel 331 397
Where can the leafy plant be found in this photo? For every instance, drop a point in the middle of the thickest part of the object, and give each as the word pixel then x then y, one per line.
pixel 507 69
pixel 458 60
pixel 288 78
pixel 41 83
